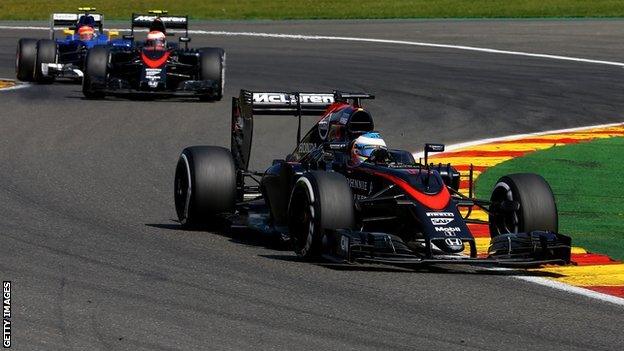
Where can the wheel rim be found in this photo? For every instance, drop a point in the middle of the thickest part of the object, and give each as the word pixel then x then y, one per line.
pixel 302 221
pixel 17 60
pixel 508 222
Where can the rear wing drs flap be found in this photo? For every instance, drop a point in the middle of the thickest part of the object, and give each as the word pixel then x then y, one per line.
pixel 295 104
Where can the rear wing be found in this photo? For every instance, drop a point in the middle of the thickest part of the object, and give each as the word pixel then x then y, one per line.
pixel 295 104
pixel 286 103
pixel 170 22
pixel 59 21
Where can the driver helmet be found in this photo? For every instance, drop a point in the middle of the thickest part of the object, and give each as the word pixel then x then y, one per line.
pixel 364 146
pixel 86 20
pixel 86 32
pixel 156 39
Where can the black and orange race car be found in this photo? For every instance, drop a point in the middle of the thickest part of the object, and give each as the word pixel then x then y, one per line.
pixel 156 66
pixel 343 196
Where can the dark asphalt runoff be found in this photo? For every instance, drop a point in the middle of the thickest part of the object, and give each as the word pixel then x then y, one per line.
pixel 97 262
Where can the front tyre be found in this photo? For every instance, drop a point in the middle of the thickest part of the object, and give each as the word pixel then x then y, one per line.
pixel 319 201
pixel 205 184
pixel 46 53
pixel 538 210
pixel 212 67
pixel 96 72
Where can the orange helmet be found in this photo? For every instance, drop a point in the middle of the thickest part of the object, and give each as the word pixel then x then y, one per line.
pixel 156 40
pixel 86 33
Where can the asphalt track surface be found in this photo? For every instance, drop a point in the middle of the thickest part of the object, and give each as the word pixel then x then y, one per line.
pixel 86 205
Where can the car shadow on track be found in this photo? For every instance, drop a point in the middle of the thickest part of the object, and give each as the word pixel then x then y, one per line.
pixel 235 235
pixel 138 98
pixel 437 269
pixel 254 238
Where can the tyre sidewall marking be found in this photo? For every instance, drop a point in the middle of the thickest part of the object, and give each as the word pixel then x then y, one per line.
pixel 36 59
pixel 17 57
pixel 223 73
pixel 187 201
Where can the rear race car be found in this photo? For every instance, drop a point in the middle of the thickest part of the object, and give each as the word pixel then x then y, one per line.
pixel 379 208
pixel 45 60
pixel 159 70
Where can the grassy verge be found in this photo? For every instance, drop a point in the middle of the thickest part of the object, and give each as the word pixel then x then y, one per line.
pixel 588 182
pixel 315 9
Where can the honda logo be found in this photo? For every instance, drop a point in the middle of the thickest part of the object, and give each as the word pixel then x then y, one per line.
pixel 453 241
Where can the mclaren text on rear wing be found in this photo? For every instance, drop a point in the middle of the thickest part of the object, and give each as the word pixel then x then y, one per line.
pixel 295 103
pixel 280 103
pixel 170 22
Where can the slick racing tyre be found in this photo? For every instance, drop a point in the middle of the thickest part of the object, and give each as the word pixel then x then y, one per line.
pixel 46 53
pixel 319 201
pixel 538 210
pixel 25 59
pixel 95 72
pixel 205 184
pixel 212 67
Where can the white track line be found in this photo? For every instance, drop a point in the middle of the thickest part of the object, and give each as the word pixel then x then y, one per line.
pixel 539 280
pixel 519 136
pixel 573 289
pixel 371 40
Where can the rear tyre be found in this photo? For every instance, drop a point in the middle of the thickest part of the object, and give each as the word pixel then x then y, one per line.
pixel 46 53
pixel 538 210
pixel 25 59
pixel 319 201
pixel 95 73
pixel 212 67
pixel 205 184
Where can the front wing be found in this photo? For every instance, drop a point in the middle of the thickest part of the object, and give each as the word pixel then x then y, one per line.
pixel 189 88
pixel 520 250
pixel 62 70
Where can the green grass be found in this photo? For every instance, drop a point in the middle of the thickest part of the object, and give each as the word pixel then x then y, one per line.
pixel 588 182
pixel 315 9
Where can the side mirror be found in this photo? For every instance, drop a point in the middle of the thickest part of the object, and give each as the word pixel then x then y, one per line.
pixel 112 34
pixel 185 39
pixel 432 148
